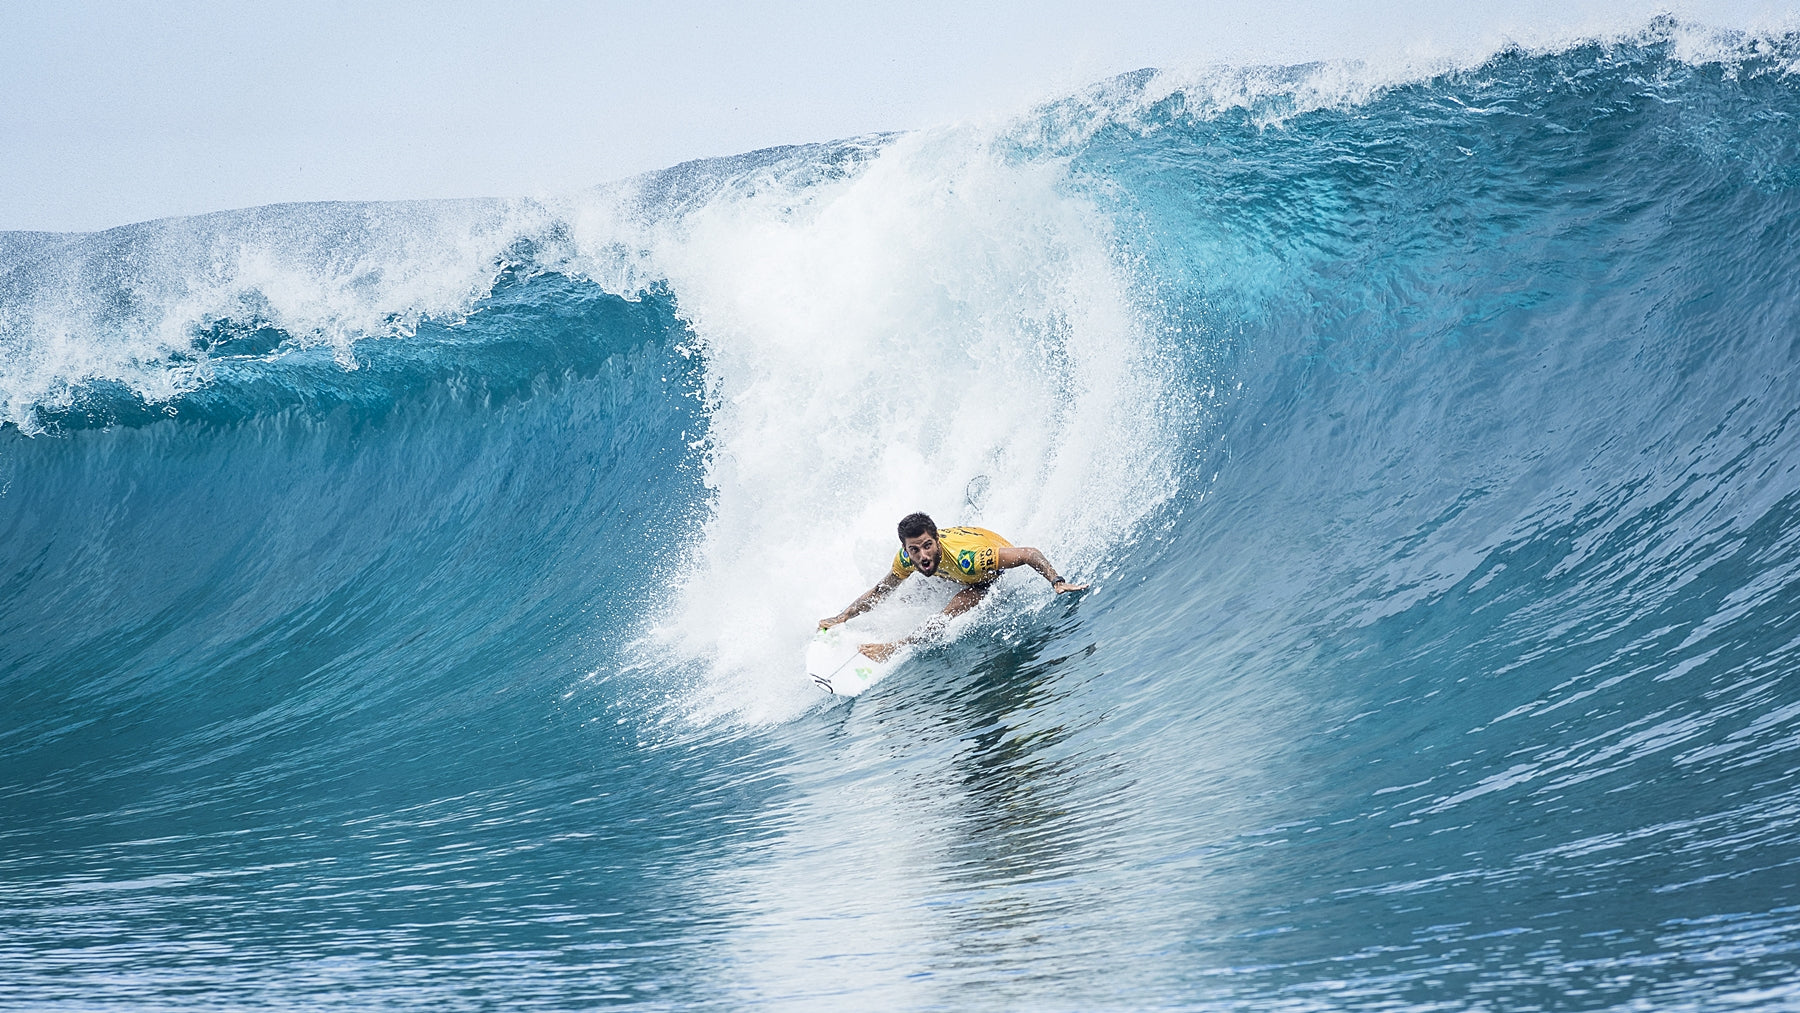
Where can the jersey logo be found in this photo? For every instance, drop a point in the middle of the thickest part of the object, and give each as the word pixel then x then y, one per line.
pixel 965 560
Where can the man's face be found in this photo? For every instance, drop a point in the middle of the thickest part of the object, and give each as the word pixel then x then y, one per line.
pixel 923 550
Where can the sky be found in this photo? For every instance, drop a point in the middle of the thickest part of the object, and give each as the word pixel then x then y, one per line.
pixel 119 112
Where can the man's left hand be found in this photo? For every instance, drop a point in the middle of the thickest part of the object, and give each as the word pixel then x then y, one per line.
pixel 878 652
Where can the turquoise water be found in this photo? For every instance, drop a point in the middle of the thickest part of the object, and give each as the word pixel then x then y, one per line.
pixel 402 605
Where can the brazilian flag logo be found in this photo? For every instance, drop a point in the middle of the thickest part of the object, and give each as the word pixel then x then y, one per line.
pixel 965 560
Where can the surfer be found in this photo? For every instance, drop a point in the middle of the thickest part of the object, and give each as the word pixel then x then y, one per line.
pixel 972 557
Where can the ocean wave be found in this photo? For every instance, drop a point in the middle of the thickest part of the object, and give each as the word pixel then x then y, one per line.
pixel 392 587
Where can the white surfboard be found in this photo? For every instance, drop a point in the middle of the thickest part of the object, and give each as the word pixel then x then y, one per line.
pixel 833 661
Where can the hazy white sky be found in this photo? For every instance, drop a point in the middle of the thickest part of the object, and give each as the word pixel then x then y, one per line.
pixel 117 112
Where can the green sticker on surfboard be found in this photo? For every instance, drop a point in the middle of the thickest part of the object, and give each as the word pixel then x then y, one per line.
pixel 838 667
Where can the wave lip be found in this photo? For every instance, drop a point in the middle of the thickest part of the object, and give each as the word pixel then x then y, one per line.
pixel 135 305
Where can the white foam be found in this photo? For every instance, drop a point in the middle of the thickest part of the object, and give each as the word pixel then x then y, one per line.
pixel 125 305
pixel 873 345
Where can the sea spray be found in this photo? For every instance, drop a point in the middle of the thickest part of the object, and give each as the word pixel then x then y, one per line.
pixel 875 345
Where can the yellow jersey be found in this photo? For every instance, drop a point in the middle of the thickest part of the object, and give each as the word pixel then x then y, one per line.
pixel 965 555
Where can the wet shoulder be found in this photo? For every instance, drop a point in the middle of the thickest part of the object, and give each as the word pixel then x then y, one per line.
pixel 974 535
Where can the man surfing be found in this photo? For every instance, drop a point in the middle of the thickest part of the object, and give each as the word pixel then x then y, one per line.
pixel 972 557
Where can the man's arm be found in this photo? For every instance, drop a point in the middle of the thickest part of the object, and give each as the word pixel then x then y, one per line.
pixel 1027 556
pixel 864 603
pixel 963 601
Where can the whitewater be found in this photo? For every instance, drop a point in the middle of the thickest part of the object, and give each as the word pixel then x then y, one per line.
pixel 402 605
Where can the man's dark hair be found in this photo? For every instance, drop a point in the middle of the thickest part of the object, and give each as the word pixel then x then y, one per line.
pixel 914 525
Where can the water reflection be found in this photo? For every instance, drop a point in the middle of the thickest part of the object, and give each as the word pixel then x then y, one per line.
pixel 952 827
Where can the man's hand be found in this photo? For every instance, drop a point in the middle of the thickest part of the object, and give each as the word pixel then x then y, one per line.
pixel 1063 585
pixel 878 652
pixel 837 620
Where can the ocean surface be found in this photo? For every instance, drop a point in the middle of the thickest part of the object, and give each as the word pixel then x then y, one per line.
pixel 402 605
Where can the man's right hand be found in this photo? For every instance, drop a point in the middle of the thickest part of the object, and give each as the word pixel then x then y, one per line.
pixel 837 620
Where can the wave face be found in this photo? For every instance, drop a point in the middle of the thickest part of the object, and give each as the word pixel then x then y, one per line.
pixel 402 604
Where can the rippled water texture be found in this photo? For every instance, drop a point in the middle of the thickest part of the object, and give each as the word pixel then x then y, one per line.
pixel 402 605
